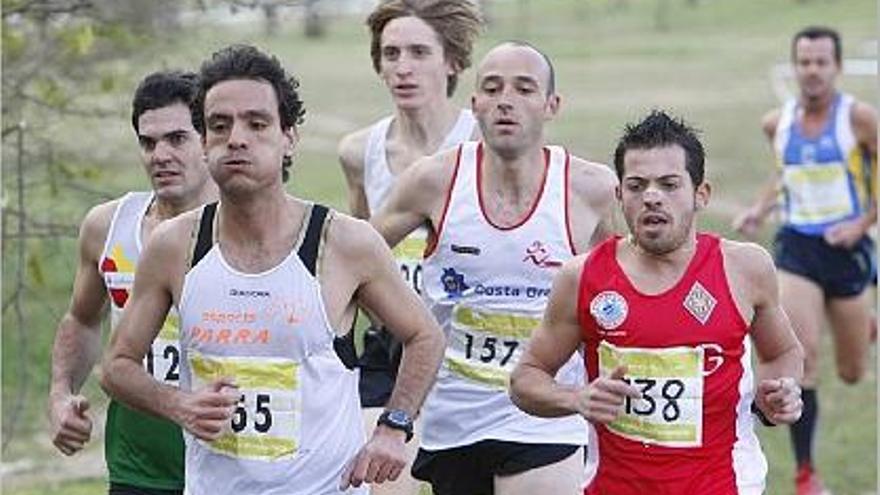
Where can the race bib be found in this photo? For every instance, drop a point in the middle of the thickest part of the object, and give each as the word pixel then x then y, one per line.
pixel 670 411
pixel 817 193
pixel 408 254
pixel 266 422
pixel 163 359
pixel 484 346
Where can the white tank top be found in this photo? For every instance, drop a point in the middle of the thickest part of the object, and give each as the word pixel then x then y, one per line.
pixel 378 181
pixel 299 422
pixel 488 287
pixel 122 249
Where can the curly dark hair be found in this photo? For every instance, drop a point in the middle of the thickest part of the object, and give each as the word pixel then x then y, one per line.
pixel 658 130
pixel 248 62
pixel 161 89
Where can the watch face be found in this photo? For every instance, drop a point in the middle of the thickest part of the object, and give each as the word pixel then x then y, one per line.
pixel 398 416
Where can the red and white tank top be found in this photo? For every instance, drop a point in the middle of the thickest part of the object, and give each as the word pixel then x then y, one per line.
pixel 488 287
pixel 687 350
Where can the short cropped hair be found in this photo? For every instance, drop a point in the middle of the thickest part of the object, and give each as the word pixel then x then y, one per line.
pixel 817 32
pixel 162 89
pixel 659 130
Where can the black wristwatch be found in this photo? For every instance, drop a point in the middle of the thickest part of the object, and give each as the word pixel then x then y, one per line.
pixel 397 419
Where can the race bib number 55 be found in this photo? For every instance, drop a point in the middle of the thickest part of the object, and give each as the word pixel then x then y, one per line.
pixel 670 411
pixel 266 421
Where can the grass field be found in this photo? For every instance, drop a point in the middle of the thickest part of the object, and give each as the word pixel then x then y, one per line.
pixel 711 65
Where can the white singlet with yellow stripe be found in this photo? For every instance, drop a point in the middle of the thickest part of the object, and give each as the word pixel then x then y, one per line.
pixel 299 419
pixel 117 264
pixel 488 286
pixel 378 180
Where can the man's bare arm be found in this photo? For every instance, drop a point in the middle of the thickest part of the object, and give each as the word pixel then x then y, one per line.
pixel 384 293
pixel 351 156
pixel 204 413
pixel 381 289
pixel 532 384
pixel 748 222
pixel 780 356
pixel 594 186
pixel 418 197
pixel 77 345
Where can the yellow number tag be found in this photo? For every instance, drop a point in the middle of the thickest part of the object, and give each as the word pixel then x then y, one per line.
pixel 266 421
pixel 817 193
pixel 670 411
pixel 484 346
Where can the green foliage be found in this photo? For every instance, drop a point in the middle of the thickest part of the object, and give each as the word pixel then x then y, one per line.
pixel 13 43
pixel 77 41
pixel 36 273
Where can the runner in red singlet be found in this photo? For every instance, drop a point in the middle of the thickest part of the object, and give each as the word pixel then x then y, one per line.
pixel 666 317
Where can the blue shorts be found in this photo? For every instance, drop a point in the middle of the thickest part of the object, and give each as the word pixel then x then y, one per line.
pixel 840 272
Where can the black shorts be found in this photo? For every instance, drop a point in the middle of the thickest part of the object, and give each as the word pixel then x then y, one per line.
pixel 378 366
pixel 471 470
pixel 840 272
pixel 121 489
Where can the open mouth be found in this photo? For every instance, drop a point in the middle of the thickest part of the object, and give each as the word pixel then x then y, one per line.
pixel 405 88
pixel 165 174
pixel 654 220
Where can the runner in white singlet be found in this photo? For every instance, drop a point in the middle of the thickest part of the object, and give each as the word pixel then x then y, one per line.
pixel 419 49
pixel 263 282
pixel 503 214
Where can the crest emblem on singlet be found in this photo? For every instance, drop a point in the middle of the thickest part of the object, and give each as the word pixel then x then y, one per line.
pixel 453 282
pixel 609 309
pixel 700 303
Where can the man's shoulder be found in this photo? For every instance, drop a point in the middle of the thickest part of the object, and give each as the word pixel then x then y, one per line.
pixel 863 114
pixel 596 181
pixel 432 173
pixel 177 233
pixel 352 147
pixel 747 258
pixel 353 237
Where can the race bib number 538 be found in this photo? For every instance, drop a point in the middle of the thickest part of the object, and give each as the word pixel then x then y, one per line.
pixel 670 410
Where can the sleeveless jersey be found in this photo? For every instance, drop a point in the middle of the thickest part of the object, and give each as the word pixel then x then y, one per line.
pixel 140 449
pixel 378 180
pixel 298 421
pixel 826 179
pixel 487 287
pixel 687 350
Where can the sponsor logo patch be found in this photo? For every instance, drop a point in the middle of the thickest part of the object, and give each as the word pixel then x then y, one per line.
pixel 472 250
pixel 699 303
pixel 539 255
pixel 609 308
pixel 453 282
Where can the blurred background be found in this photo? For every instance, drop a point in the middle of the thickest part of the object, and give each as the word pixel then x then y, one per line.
pixel 69 68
